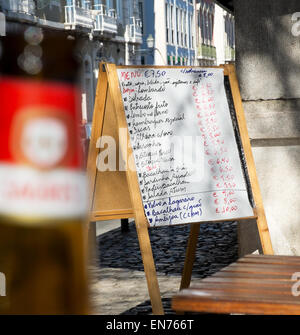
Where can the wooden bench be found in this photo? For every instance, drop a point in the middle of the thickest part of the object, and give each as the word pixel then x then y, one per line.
pixel 255 284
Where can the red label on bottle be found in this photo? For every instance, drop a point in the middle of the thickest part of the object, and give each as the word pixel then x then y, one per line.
pixel 40 154
pixel 27 106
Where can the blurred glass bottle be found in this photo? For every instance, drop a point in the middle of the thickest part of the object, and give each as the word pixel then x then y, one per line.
pixel 42 184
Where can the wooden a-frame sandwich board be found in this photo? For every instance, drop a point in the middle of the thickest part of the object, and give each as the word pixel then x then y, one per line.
pixel 116 194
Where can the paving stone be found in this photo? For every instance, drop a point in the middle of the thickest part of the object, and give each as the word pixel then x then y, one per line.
pixel 120 284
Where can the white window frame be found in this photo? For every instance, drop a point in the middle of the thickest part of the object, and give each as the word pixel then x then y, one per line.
pixel 172 30
pixel 167 6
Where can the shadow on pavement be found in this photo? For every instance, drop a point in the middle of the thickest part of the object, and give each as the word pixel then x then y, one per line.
pixel 217 247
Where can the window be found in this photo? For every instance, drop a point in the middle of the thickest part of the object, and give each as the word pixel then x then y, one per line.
pixel 119 10
pixel 111 4
pixel 206 27
pixel 130 5
pixel 233 33
pixel 185 29
pixel 177 25
pixel 87 4
pixel 182 28
pixel 167 23
pixel 212 30
pixel 202 25
pixel 141 16
pixel 228 30
pixel 209 28
pixel 192 31
pixel 172 24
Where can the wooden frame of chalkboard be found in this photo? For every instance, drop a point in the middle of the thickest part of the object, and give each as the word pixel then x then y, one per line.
pixel 116 194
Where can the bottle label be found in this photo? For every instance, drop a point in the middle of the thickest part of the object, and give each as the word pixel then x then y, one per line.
pixel 40 156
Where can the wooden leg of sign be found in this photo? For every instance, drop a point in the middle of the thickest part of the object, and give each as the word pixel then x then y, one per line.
pixel 261 217
pixel 135 196
pixel 190 256
pixel 149 268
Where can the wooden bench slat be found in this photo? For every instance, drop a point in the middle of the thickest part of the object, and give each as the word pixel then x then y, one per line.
pixel 292 267
pixel 243 297
pixel 252 275
pixel 286 258
pixel 282 267
pixel 271 269
pixel 268 260
pixel 243 287
pixel 248 281
pixel 227 307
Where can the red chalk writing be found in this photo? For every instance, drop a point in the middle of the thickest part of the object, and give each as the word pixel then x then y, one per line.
pixel 215 145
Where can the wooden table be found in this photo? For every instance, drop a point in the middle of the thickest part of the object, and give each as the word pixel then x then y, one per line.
pixel 255 284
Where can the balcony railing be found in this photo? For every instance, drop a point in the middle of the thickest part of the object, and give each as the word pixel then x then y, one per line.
pixel 105 20
pixel 229 54
pixel 206 51
pixel 26 7
pixel 136 29
pixel 77 16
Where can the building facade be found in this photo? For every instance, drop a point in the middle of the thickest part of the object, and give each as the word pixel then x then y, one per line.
pixel 214 34
pixel 106 30
pixel 159 32
pixel 205 19
pixel 170 25
pixel 186 32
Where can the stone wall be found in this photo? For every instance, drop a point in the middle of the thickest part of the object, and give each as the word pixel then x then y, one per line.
pixel 268 68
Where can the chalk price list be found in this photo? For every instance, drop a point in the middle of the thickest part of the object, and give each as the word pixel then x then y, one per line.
pixel 163 104
pixel 150 125
pixel 215 150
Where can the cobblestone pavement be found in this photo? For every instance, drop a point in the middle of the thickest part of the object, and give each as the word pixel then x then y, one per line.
pixel 119 284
